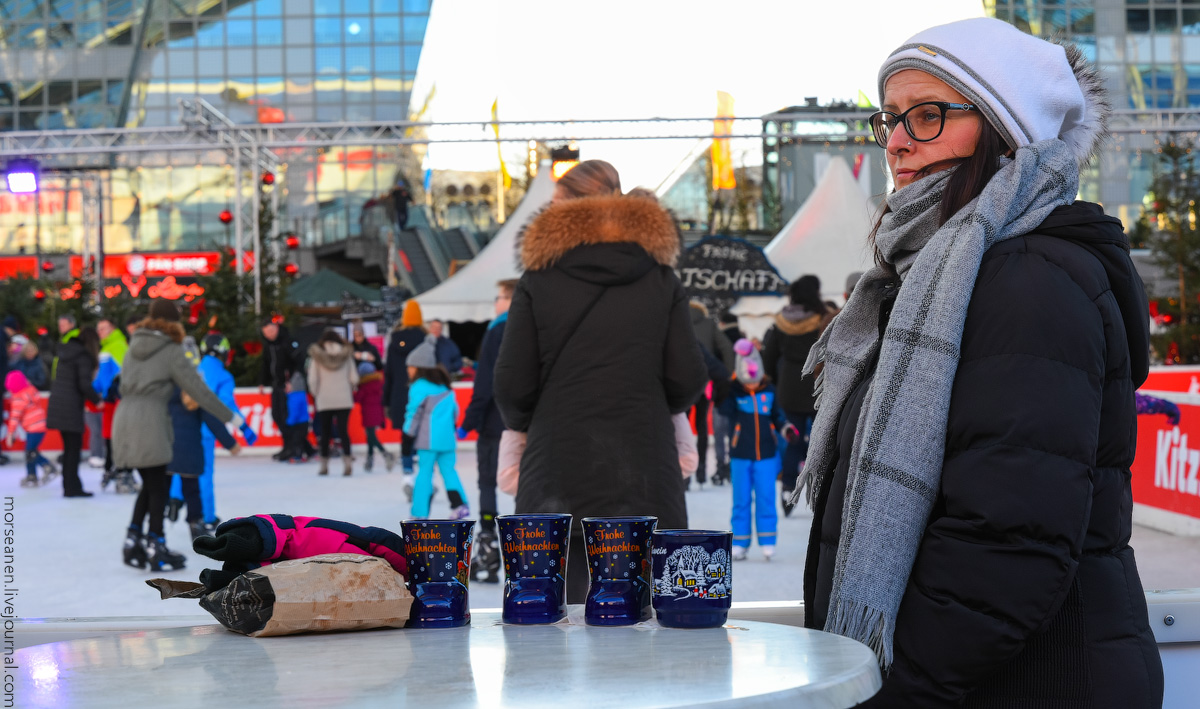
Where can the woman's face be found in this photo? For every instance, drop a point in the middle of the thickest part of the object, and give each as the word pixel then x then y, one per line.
pixel 905 156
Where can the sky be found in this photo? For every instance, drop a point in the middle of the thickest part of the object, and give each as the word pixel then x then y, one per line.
pixel 567 59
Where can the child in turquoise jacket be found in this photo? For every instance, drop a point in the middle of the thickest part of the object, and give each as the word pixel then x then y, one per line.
pixel 431 418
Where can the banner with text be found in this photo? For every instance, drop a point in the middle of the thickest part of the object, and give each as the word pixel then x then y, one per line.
pixel 718 270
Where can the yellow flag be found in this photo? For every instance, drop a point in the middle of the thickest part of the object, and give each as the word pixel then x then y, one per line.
pixel 499 149
pixel 863 100
pixel 722 155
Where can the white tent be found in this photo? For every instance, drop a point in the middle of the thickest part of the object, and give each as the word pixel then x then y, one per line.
pixel 827 237
pixel 469 295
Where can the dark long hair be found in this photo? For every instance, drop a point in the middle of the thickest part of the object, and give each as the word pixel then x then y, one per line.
pixel 437 375
pixel 90 339
pixel 967 182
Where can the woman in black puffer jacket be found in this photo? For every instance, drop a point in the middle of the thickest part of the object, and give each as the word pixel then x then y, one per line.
pixel 969 462
pixel 598 353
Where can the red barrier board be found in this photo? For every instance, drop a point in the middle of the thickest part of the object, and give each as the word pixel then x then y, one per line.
pixel 1166 471
pixel 1184 379
pixel 256 408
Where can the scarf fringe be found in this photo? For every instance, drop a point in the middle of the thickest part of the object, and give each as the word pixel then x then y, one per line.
pixel 870 627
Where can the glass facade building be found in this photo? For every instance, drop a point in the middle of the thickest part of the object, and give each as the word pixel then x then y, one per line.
pixel 1149 54
pixel 78 64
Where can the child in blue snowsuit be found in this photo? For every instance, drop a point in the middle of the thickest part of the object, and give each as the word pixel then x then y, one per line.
pixel 215 349
pixel 298 419
pixel 431 418
pixel 756 417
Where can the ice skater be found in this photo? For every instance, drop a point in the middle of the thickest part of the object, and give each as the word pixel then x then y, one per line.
pixel 430 419
pixel 369 398
pixel 27 411
pixel 154 366
pixel 754 410
pixel 215 348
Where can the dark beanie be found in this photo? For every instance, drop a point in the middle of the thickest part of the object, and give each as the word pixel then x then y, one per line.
pixel 164 310
pixel 805 290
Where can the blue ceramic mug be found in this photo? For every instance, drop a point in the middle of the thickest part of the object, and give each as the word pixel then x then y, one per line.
pixel 618 554
pixel 438 552
pixel 535 559
pixel 693 577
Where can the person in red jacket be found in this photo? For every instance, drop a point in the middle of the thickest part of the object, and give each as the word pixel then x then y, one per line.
pixel 369 398
pixel 27 412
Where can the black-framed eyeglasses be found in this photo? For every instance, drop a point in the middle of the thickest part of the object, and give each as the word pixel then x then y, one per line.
pixel 923 122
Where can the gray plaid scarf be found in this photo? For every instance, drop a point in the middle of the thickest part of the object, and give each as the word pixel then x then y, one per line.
pixel 896 461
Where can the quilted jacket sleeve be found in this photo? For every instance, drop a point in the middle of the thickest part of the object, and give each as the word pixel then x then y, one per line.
pixel 518 368
pixel 1006 535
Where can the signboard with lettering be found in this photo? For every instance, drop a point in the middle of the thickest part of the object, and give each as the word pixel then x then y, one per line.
pixel 1166 470
pixel 718 270
pixel 1180 378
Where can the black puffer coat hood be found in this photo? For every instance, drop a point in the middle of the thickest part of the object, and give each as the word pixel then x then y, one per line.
pixel 1024 592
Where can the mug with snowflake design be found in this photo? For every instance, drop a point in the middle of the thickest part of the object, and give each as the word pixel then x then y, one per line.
pixel 534 549
pixel 618 555
pixel 438 552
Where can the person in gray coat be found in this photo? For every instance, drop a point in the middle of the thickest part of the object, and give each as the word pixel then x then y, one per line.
pixel 142 434
pixel 332 378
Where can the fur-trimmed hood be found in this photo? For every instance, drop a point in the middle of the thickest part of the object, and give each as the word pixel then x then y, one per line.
pixel 599 220
pixel 331 355
pixel 152 335
pixel 796 320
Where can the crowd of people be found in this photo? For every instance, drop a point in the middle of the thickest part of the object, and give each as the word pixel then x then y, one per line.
pixel 964 449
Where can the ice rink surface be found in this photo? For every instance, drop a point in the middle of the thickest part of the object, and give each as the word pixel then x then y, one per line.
pixel 68 551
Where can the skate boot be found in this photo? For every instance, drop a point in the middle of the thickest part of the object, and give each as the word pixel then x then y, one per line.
pixel 324 469
pixel 109 476
pixel 347 465
pixel 768 552
pixel 30 481
pixel 125 484
pixel 389 461
pixel 200 528
pixel 786 500
pixel 49 472
pixel 485 566
pixel 739 553
pixel 134 552
pixel 370 462
pixel 160 558
pixel 173 506
pixel 409 480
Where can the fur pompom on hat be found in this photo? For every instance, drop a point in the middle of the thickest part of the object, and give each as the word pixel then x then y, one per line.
pixel 749 365
pixel 1051 91
pixel 425 355
pixel 412 315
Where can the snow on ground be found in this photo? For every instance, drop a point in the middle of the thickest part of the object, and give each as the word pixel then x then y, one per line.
pixel 68 551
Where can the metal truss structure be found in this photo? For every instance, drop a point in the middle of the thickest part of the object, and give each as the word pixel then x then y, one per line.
pixel 206 135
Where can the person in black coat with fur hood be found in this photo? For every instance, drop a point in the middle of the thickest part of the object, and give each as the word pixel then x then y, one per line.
pixel 969 465
pixel 598 353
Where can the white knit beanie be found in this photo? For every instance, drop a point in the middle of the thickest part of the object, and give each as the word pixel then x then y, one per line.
pixel 1028 89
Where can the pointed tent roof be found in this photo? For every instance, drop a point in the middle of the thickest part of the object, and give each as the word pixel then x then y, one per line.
pixel 469 295
pixel 326 286
pixel 828 235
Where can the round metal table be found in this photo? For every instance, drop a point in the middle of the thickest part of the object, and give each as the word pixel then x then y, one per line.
pixel 488 664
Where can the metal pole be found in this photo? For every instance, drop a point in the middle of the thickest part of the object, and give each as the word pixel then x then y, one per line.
pixel 37 231
pixel 239 251
pixel 255 230
pixel 99 273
